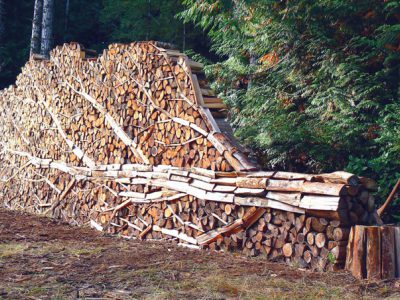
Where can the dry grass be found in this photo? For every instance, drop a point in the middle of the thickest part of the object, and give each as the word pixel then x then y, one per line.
pixel 220 286
pixel 10 249
pixel 172 280
pixel 60 262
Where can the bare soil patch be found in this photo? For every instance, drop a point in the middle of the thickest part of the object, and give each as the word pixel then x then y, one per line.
pixel 42 258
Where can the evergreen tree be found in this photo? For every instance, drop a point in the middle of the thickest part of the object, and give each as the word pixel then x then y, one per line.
pixel 324 91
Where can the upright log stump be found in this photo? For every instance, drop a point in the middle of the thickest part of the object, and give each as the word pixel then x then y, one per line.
pixel 373 252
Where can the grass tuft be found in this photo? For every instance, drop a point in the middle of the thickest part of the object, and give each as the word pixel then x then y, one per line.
pixel 7 250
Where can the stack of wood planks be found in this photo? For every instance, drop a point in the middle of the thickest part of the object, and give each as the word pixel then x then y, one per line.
pixel 127 142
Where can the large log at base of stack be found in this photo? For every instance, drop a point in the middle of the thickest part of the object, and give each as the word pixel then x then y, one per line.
pixel 127 142
pixel 373 252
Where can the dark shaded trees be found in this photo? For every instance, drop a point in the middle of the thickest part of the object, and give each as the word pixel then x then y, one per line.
pixel 126 21
pixel 2 21
pixel 14 51
pixel 31 28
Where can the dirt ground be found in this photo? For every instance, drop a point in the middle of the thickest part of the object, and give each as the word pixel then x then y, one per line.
pixel 41 258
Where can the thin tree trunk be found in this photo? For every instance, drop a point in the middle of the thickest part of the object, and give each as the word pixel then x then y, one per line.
pixel 148 19
pixel 36 27
pixel 66 24
pixel 47 27
pixel 2 32
pixel 184 37
pixel 252 62
pixel 2 22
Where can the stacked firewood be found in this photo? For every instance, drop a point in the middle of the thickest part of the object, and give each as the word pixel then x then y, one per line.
pixel 135 103
pixel 127 143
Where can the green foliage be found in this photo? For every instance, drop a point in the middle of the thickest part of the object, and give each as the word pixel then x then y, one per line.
pixel 331 258
pixel 313 85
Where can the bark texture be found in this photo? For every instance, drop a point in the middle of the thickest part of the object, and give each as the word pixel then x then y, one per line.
pixel 47 27
pixel 66 24
pixel 2 30
pixel 2 20
pixel 36 27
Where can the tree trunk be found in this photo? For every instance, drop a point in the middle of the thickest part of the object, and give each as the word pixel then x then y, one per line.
pixel 36 27
pixel 2 30
pixel 66 24
pixel 148 20
pixel 252 62
pixel 47 27
pixel 2 20
pixel 184 38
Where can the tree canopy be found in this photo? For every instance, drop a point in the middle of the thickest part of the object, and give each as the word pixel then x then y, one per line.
pixel 313 86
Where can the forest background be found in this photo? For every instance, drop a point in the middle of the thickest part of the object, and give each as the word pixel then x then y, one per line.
pixel 312 86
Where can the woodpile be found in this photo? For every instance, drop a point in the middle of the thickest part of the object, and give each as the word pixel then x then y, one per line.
pixel 128 142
